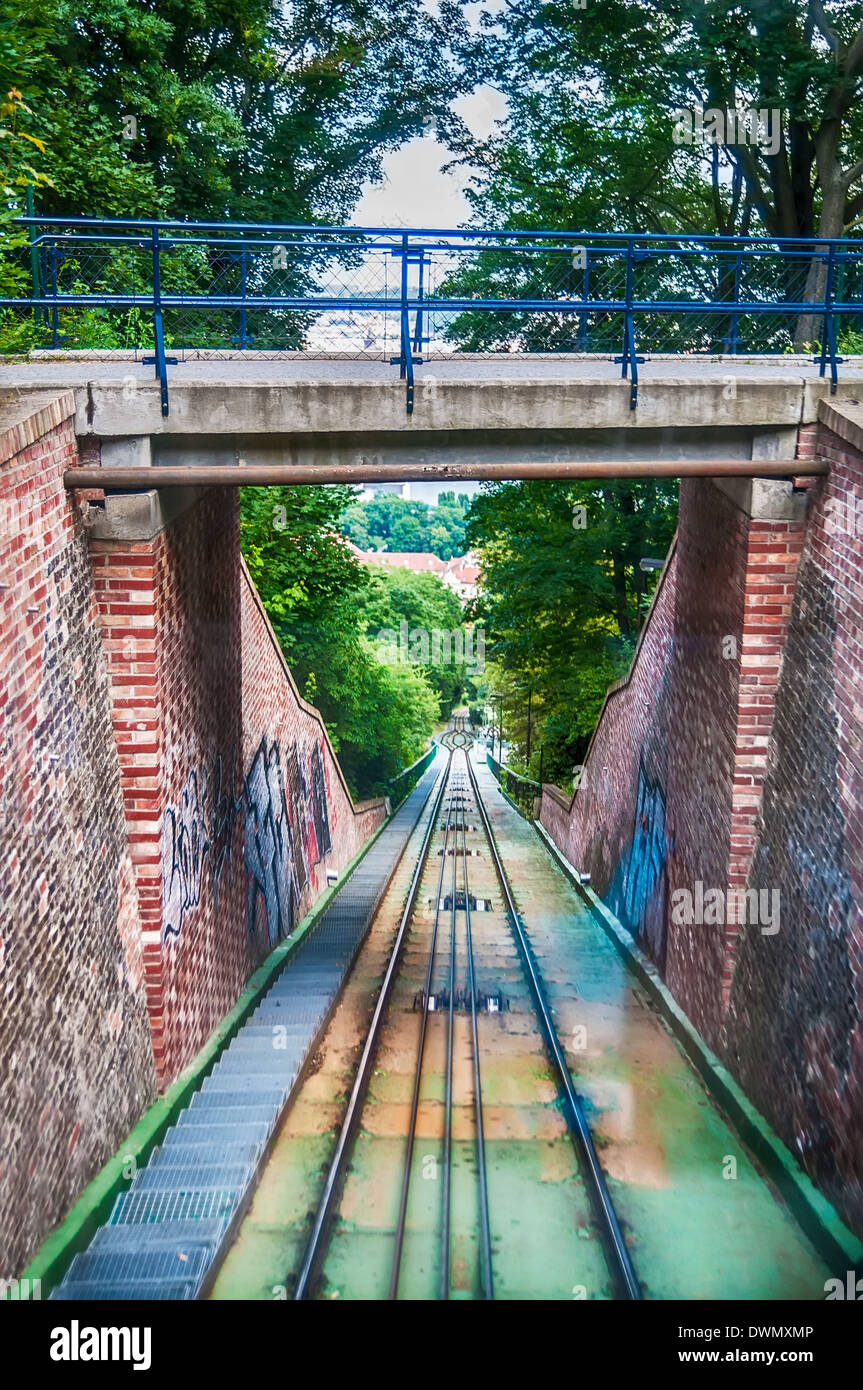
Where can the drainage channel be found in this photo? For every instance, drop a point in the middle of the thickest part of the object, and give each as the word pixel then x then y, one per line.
pixel 169 1232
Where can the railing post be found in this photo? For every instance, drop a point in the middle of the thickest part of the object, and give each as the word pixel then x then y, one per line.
pixel 244 278
pixel 158 329
pixel 735 317
pixel 55 316
pixel 582 340
pixel 406 363
pixel 628 359
pixel 418 325
pixel 828 331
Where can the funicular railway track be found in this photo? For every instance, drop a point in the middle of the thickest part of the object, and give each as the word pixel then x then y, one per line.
pixel 456 985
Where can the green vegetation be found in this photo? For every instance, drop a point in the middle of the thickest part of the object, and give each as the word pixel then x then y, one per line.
pixel 388 522
pixel 562 602
pixel 326 610
pixel 237 110
pixel 392 598
pixel 593 96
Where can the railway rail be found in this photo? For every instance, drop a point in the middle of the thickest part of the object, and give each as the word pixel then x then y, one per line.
pixel 460 830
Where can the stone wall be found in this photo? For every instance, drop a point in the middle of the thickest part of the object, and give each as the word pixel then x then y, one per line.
pixel 169 807
pixel 794 1032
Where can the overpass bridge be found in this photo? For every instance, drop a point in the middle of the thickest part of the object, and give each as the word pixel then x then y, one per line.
pixel 516 350
pixel 265 421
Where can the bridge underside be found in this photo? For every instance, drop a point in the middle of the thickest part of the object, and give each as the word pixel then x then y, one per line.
pixel 491 416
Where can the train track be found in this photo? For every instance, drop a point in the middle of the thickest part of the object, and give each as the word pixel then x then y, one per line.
pixel 446 992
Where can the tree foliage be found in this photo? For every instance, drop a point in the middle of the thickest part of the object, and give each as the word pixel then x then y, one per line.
pixel 225 109
pixel 389 522
pixel 422 602
pixel 593 95
pixel 562 599
pixel 379 717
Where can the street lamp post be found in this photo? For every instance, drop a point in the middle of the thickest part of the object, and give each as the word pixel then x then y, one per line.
pixel 494 700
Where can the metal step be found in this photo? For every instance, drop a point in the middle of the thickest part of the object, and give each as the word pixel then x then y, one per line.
pixel 160 1290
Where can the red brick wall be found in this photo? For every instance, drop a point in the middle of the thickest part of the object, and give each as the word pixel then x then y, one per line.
pixel 794 1030
pixel 169 809
pixel 673 777
pixel 76 1067
pixel 276 718
pixel 594 828
pixel 235 804
pixel 740 764
pixel 170 611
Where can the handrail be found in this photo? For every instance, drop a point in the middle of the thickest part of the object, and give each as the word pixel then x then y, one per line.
pixel 515 290
pixel 413 772
pixel 520 789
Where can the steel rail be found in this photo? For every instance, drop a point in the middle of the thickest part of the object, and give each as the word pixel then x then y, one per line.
pixel 620 1261
pixel 401 1219
pixel 316 1244
pixel 262 475
pixel 446 1198
pixel 486 1272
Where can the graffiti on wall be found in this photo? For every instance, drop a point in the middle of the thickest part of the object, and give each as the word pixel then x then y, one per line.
pixel 286 833
pixel 197 838
pixel 644 883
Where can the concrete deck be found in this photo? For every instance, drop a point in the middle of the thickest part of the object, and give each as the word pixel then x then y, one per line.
pixel 300 396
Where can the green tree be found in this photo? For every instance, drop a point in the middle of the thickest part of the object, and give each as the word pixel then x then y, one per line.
pixel 563 594
pixel 379 718
pixel 389 522
pixel 424 603
pixel 239 108
pixel 593 94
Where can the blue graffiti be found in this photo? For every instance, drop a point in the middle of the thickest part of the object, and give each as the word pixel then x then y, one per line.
pixel 644 883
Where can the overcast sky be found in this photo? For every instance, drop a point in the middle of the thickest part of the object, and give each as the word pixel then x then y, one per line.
pixel 417 193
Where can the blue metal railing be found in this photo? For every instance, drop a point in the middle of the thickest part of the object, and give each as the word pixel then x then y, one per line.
pixel 404 782
pixel 409 295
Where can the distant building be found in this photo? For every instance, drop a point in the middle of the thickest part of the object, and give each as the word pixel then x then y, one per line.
pixel 371 490
pixel 461 573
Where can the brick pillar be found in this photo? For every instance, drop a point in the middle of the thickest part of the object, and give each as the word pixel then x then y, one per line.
pixel 125 578
pixel 772 557
pixel 167 572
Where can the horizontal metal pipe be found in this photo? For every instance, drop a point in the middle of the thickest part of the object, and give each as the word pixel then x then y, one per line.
pixel 266 475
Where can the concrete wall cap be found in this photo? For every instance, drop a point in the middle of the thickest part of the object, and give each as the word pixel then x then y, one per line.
pixel 845 418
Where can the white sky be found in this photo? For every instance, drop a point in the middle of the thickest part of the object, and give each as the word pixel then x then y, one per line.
pixel 416 192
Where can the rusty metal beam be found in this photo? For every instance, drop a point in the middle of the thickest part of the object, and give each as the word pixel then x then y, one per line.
pixel 251 475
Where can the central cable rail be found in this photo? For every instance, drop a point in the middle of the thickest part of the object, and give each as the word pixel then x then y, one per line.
pixel 618 1253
